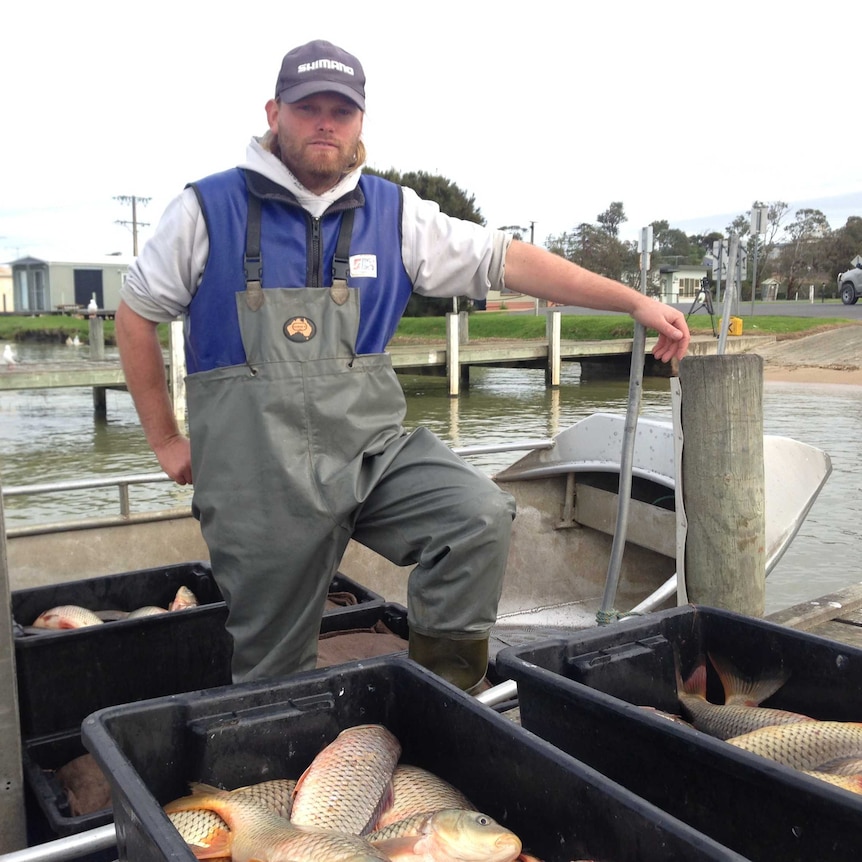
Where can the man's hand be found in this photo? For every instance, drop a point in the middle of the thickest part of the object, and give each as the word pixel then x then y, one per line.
pixel 175 456
pixel 670 323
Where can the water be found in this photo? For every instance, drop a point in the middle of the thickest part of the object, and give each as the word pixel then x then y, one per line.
pixel 52 436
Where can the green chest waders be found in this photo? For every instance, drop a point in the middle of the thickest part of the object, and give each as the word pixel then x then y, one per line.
pixel 302 448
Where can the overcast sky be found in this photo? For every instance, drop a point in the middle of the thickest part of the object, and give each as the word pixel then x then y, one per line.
pixel 545 112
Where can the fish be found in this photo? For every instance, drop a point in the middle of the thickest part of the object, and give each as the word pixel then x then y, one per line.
pixel 805 745
pixel 257 834
pixel 853 783
pixel 741 712
pixel 843 766
pixel 201 826
pixel 146 611
pixel 448 835
pixel 184 598
pixel 349 782
pixel 417 791
pixel 66 617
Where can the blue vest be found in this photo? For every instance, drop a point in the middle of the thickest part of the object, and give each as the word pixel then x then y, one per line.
pixel 296 251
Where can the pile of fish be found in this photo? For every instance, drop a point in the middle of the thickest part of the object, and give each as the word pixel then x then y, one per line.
pixel 76 617
pixel 355 801
pixel 828 750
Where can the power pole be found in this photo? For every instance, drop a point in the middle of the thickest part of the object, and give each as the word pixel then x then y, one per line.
pixel 134 201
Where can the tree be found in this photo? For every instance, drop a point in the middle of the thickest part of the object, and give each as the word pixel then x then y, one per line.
pixel 594 248
pixel 612 218
pixel 804 256
pixel 763 246
pixel 846 243
pixel 452 201
pixel 672 246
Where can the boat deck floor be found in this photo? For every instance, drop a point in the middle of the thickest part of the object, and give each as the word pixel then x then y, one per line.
pixel 837 616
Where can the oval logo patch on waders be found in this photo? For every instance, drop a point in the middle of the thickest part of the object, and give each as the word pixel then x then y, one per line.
pixel 299 329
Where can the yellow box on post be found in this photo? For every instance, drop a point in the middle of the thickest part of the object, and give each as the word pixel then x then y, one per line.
pixel 734 327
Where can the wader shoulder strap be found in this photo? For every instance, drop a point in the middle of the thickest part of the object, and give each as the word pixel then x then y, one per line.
pixel 252 264
pixel 341 263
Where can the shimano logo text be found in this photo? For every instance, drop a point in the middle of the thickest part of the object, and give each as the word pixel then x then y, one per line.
pixel 334 65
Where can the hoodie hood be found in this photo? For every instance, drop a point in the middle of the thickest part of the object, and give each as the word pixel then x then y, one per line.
pixel 261 161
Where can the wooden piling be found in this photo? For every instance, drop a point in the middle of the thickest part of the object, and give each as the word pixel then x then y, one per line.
pixel 97 337
pixel 453 354
pixel 555 361
pixel 723 485
pixel 177 370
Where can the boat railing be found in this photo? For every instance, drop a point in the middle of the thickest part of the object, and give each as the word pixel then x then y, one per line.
pixel 123 484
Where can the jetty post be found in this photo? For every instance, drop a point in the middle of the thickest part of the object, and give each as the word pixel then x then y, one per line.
pixel 457 333
pixel 555 361
pixel 97 353
pixel 177 370
pixel 12 814
pixel 723 483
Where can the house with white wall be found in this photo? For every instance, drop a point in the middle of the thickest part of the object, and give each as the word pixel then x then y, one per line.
pixel 6 295
pixel 56 285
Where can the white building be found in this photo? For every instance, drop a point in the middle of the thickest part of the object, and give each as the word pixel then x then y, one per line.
pixel 42 285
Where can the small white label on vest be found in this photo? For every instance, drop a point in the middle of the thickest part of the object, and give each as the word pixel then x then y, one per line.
pixel 363 266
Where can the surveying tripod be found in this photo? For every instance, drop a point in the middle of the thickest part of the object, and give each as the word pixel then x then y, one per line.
pixel 703 300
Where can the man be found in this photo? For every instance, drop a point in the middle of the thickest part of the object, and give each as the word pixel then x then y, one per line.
pixel 292 272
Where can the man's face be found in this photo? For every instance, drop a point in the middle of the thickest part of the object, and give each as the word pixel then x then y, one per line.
pixel 317 137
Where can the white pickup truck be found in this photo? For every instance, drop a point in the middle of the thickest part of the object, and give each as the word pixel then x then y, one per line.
pixel 850 285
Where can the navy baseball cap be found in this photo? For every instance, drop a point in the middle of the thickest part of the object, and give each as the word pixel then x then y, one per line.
pixel 320 67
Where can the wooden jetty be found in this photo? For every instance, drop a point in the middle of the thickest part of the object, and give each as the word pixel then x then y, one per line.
pixel 837 616
pixel 451 358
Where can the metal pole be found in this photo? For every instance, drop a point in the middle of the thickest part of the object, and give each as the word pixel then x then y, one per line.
pixel 70 847
pixel 13 827
pixel 728 293
pixel 606 613
pixel 754 273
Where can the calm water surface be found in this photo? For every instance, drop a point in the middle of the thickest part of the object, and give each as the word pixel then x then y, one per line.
pixel 52 436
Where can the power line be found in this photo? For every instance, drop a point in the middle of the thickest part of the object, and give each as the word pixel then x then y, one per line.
pixel 134 201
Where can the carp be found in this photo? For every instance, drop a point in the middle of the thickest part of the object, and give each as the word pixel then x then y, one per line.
pixel 349 782
pixel 448 835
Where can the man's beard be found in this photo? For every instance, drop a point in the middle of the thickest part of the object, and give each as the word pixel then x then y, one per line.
pixel 329 166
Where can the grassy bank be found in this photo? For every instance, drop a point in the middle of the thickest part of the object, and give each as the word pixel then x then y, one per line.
pixel 504 325
pixel 490 324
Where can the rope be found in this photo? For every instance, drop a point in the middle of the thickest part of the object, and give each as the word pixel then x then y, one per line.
pixel 603 618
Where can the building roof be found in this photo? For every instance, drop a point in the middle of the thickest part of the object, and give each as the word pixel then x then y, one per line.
pixel 106 260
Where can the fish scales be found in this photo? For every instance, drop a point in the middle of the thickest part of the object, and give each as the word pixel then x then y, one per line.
pixel 201 826
pixel 804 746
pixel 418 791
pixel 198 827
pixel 257 833
pixel 348 783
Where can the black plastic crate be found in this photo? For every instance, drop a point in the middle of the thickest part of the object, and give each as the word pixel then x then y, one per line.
pixel 42 758
pixel 243 734
pixel 63 676
pixel 586 695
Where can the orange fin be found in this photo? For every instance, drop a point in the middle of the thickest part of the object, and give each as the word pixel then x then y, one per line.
pixel 218 848
pixel 741 690
pixel 696 682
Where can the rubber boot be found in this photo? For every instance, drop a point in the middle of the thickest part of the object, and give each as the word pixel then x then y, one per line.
pixel 461 661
